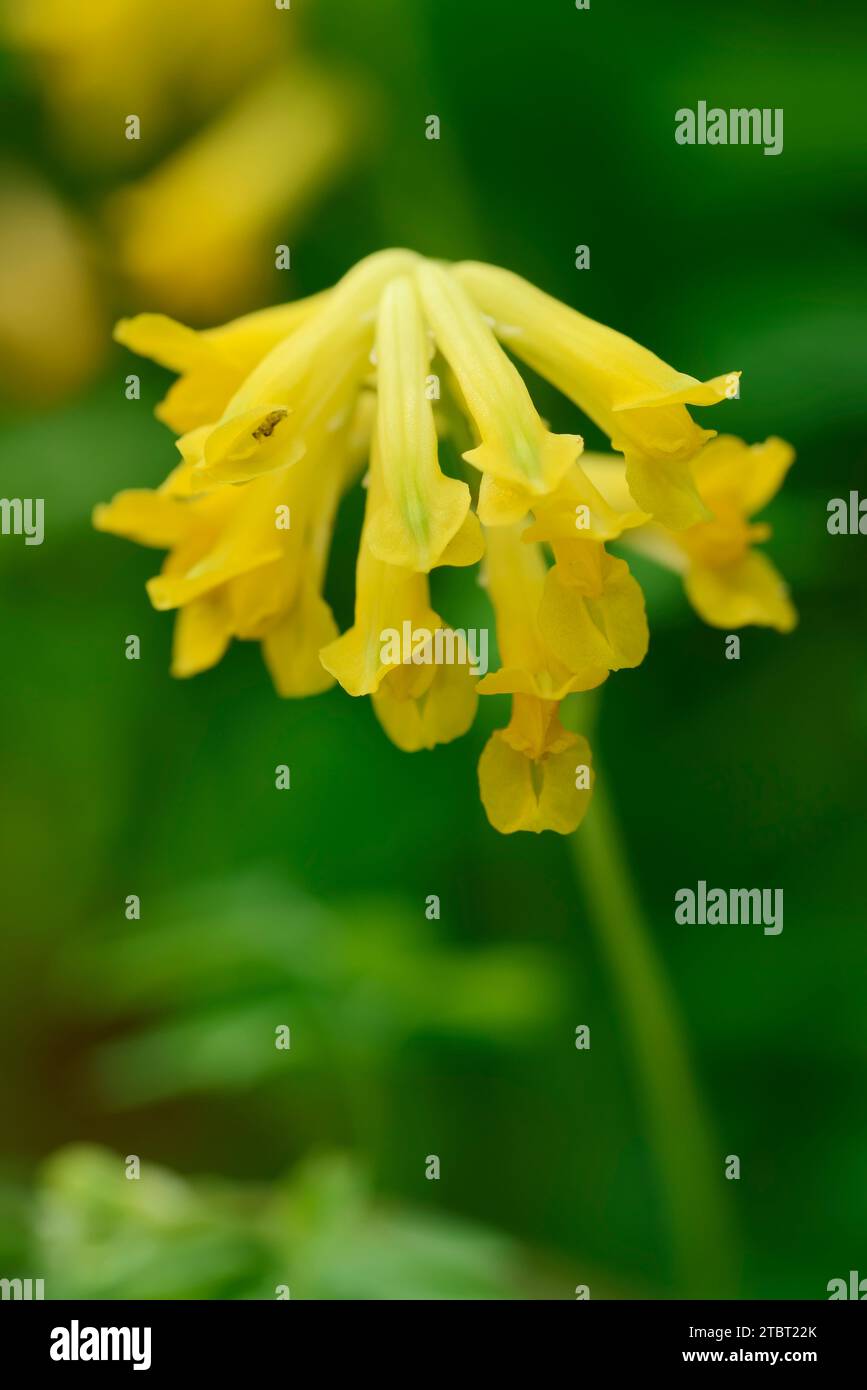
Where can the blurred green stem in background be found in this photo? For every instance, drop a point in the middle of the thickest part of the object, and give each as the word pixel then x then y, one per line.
pixel 690 1164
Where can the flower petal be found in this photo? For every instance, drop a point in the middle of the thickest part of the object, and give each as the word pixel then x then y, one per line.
pixel 749 592
pixel 515 447
pixel 578 510
pixel 422 510
pixel 440 714
pixel 212 363
pixel 592 611
pixel 734 476
pixel 291 647
pixel 313 376
pixel 516 577
pixel 202 634
pixel 234 532
pixel 385 598
pixel 521 791
pixel 194 231
pixel 142 515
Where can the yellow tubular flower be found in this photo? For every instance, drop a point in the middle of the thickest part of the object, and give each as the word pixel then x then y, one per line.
pixel 729 584
pixel 534 774
pixel 515 576
pixel 419 704
pixel 637 399
pixel 560 630
pixel 423 513
pixel 592 609
pixel 244 562
pixel 422 710
pixel 577 510
pixel 312 375
pixel 277 419
pixel 516 448
pixel 212 364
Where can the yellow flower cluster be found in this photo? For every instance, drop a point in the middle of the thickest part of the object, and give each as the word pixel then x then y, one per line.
pixel 281 412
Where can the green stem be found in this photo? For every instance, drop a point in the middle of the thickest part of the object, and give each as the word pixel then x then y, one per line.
pixel 690 1164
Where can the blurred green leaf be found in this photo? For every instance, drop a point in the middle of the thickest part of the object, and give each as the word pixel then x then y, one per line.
pixel 103 1235
pixel 224 965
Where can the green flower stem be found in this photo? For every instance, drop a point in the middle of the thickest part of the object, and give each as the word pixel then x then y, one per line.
pixel 690 1164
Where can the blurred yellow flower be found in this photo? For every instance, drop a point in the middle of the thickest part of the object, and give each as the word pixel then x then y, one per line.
pixel 277 413
pixel 53 326
pixel 197 234
pixel 201 233
pixel 103 60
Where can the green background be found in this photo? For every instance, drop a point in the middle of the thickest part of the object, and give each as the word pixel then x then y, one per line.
pixel 307 907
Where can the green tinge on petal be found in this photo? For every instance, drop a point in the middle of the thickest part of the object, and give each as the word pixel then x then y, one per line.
pixel 516 799
pixel 421 510
pixel 443 712
pixel 545 684
pixel 635 397
pixel 515 446
pixel 537 463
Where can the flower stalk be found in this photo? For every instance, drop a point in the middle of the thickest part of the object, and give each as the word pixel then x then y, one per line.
pixel 689 1162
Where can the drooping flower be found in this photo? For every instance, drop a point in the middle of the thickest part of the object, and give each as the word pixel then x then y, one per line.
pixel 246 563
pixel 534 774
pixel 211 364
pixel 728 582
pixel 633 396
pixel 278 413
pixel 418 703
pixel 562 628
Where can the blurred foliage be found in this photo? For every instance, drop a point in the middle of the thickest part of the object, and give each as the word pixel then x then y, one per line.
pixel 319 1232
pixel 229 963
pixel 454 1036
